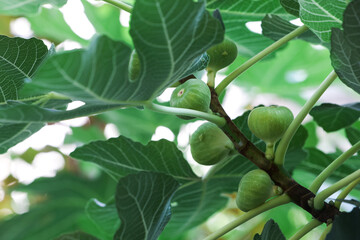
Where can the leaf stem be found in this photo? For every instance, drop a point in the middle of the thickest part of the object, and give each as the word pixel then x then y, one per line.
pixel 319 180
pixel 258 57
pixel 124 6
pixel 306 229
pixel 290 132
pixel 345 192
pixel 186 112
pixel 275 202
pixel 320 198
pixel 211 78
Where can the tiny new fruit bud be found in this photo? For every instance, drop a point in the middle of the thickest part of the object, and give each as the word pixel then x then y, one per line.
pixel 209 145
pixel 192 94
pixel 269 123
pixel 255 188
pixel 134 66
pixel 221 55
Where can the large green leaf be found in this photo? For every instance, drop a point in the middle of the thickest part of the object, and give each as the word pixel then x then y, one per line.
pixel 192 204
pixel 322 15
pixel 100 74
pixel 143 204
pixel 19 59
pixel 345 45
pixel 271 231
pixel 21 7
pixel 55 29
pixel 59 208
pixel 275 27
pixel 121 156
pixel 345 226
pixel 236 13
pixel 332 117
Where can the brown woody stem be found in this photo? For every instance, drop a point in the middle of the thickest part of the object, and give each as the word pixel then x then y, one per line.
pixel 300 195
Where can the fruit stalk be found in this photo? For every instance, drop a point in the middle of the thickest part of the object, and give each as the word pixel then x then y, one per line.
pixel 300 195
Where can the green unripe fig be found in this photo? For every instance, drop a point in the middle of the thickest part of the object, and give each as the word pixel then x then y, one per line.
pixel 221 55
pixel 209 145
pixel 134 66
pixel 192 94
pixel 269 123
pixel 255 188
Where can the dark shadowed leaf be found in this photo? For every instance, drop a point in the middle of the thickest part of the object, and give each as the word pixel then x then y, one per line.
pixel 291 6
pixel 21 7
pixel 332 117
pixel 345 226
pixel 345 53
pixel 296 153
pixel 19 59
pixel 275 27
pixel 353 134
pixel 351 24
pixel 121 156
pixel 143 204
pixel 345 60
pixel 271 231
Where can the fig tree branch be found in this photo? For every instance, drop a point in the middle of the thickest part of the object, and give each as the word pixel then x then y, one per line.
pixel 300 195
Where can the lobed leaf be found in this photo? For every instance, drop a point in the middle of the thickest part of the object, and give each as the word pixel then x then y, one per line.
pixel 143 204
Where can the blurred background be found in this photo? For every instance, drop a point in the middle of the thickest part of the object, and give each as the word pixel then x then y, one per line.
pixel 288 79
